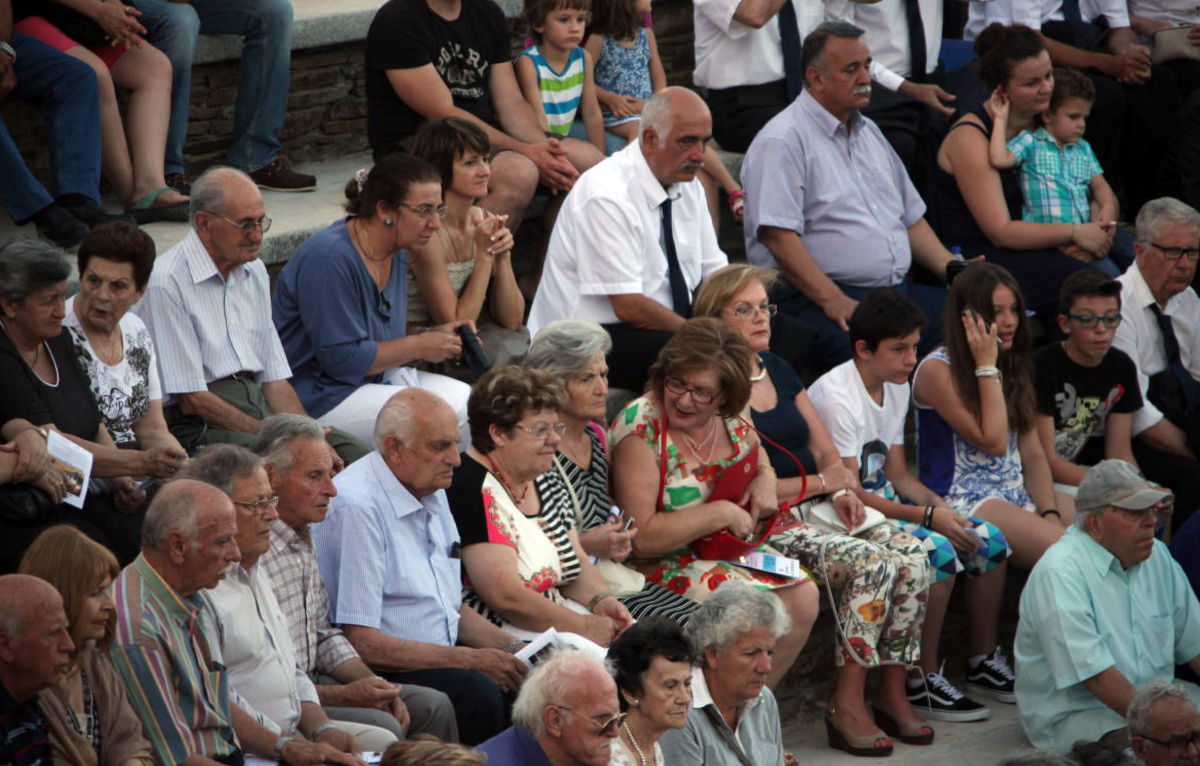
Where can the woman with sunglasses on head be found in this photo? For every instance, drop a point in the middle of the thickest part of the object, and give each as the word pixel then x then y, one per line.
pixel 340 303
pixel 523 566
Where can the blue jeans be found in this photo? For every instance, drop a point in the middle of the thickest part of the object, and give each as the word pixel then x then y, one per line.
pixel 64 89
pixel 265 27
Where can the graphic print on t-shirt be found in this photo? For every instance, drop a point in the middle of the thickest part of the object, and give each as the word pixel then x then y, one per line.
pixel 1081 417
pixel 463 69
pixel 870 466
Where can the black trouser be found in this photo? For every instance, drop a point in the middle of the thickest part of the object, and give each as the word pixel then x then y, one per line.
pixel 99 519
pixel 738 113
pixel 632 354
pixel 480 705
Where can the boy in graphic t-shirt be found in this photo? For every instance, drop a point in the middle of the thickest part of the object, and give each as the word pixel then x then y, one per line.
pixel 864 402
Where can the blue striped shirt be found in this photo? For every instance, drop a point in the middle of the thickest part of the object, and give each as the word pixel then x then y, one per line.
pixel 206 328
pixel 386 559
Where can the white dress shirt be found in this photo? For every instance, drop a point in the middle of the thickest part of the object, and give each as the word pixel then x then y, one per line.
pixel 886 27
pixel 206 328
pixel 1139 337
pixel 608 241
pixel 1034 13
pixel 1176 12
pixel 256 647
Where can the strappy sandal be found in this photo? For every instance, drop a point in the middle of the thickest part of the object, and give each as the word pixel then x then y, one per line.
pixel 737 204
pixel 863 746
pixel 144 212
pixel 908 733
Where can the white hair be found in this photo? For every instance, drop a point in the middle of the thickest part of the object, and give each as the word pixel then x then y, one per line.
pixel 550 683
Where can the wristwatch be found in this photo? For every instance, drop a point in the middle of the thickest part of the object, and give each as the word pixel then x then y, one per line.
pixel 280 744
pixel 11 51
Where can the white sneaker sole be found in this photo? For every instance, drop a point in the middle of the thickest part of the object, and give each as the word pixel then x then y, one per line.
pixel 953 716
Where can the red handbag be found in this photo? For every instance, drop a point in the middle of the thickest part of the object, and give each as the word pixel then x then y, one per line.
pixel 723 545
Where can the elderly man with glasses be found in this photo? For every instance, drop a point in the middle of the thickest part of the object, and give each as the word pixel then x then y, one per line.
pixel 1164 727
pixel 1105 610
pixel 1161 326
pixel 208 308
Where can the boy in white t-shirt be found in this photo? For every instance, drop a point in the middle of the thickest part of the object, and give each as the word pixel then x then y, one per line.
pixel 864 402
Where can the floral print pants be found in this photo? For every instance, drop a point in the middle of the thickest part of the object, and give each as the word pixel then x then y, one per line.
pixel 881 578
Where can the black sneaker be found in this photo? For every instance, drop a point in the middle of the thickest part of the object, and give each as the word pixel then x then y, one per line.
pixel 279 176
pixel 89 211
pixel 938 699
pixel 60 227
pixel 993 678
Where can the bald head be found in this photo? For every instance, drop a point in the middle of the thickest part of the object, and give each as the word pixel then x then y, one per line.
pixel 22 595
pixel 407 412
pixel 189 535
pixel 35 645
pixel 676 127
pixel 417 435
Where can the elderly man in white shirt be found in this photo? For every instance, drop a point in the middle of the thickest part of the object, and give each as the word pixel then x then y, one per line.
pixel 253 639
pixel 634 239
pixel 1158 285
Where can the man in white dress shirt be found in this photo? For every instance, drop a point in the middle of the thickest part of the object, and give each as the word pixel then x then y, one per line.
pixel 634 239
pixel 208 308
pixel 1159 284
pixel 253 640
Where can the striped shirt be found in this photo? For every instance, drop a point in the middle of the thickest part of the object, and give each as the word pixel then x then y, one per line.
pixel 162 655
pixel 389 558
pixel 206 328
pixel 591 486
pixel 1055 180
pixel 291 562
pixel 24 735
pixel 561 91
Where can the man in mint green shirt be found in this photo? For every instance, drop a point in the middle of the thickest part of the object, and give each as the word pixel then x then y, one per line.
pixel 1105 610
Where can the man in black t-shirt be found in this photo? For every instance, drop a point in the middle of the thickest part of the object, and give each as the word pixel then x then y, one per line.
pixel 1087 391
pixel 439 58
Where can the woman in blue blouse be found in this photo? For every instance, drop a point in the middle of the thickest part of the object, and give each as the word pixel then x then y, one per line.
pixel 340 304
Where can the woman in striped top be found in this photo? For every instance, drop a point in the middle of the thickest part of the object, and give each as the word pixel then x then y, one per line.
pixel 574 351
pixel 522 563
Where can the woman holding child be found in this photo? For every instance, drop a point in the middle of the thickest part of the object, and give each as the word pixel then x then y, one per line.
pixel 981 206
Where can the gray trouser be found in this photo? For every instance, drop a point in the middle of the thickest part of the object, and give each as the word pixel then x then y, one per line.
pixel 430 712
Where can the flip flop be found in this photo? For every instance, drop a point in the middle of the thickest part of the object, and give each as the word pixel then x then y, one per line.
pixel 144 211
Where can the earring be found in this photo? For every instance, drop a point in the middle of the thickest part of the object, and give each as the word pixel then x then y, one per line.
pixel 637 701
pixel 388 222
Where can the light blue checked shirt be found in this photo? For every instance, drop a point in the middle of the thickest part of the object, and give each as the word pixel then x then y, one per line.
pixel 1055 181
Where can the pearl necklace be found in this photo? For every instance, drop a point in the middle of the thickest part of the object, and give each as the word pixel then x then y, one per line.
pixel 633 741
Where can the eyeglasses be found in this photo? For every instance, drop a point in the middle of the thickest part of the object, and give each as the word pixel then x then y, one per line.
pixel 248 227
pixel 606 727
pixel 1175 253
pixel 427 212
pixel 1089 321
pixel 260 506
pixel 1163 510
pixel 746 311
pixel 1178 744
pixel 699 395
pixel 540 432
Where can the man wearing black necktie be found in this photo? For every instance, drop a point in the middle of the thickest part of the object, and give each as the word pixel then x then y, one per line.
pixel 634 239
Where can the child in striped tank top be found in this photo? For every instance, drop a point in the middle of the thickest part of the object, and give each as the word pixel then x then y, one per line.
pixel 555 73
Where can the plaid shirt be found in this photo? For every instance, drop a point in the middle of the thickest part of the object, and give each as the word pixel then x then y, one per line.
pixel 1055 180
pixel 291 563
pixel 24 735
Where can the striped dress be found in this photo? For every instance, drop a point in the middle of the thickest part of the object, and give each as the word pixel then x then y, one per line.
pixel 561 91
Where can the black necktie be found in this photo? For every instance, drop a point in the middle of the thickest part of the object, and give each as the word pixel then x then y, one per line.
pixel 1191 389
pixel 1070 10
pixel 789 40
pixel 916 40
pixel 681 298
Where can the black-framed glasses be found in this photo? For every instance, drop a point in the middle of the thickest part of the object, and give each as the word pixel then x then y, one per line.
pixel 259 506
pixel 1175 253
pixel 1178 744
pixel 427 211
pixel 746 311
pixel 699 395
pixel 541 432
pixel 249 226
pixel 1089 321
pixel 606 727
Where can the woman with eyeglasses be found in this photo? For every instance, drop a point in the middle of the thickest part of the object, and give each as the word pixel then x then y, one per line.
pixel 340 303
pixel 523 566
pixel 878 565
pixel 672 446
pixel 466 271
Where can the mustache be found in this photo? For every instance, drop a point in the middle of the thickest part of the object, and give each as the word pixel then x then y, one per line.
pixel 862 90
pixel 691 166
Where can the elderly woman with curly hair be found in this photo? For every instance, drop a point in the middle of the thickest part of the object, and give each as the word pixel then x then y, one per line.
pixel 523 566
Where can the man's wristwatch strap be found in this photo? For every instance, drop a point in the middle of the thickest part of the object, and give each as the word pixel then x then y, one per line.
pixel 11 51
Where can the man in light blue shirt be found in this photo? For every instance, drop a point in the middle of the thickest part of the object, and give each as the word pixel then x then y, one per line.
pixel 388 551
pixel 1105 610
pixel 830 204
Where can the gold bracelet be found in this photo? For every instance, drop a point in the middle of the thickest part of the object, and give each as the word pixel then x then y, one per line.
pixel 596 599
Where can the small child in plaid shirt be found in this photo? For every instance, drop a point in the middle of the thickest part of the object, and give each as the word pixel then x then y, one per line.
pixel 1061 179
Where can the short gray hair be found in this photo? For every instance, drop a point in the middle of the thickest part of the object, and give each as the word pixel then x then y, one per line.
pixel 1145 697
pixel 564 347
pixel 811 53
pixel 221 465
pixel 549 682
pixel 733 609
pixel 174 509
pixel 397 418
pixel 277 435
pixel 27 265
pixel 1157 214
pixel 656 115
pixel 208 191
